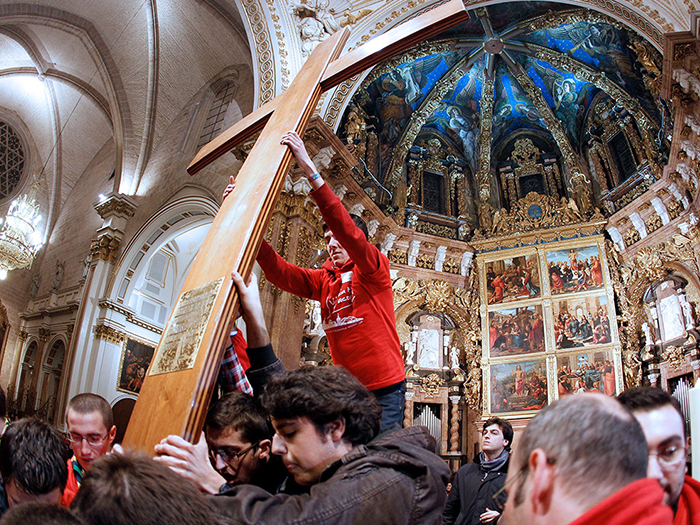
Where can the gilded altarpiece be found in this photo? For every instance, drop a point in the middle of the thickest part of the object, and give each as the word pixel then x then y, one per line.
pixel 547 310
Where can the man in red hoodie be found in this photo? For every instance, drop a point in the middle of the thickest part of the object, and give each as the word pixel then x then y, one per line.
pixel 583 460
pixel 664 427
pixel 354 288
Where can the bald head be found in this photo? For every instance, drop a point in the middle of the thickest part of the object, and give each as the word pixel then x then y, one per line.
pixel 593 440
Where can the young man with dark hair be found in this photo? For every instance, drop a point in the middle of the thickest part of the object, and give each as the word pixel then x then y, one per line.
pixel 37 513
pixel 471 499
pixel 91 432
pixel 236 448
pixel 664 428
pixel 33 462
pixel 582 461
pixel 325 425
pixel 128 489
pixel 354 289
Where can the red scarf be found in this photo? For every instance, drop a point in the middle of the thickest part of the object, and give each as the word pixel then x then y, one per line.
pixel 639 503
pixel 689 503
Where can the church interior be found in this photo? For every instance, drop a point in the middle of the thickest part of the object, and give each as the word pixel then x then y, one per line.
pixel 531 175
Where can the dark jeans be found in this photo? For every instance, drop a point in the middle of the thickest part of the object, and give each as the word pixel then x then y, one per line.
pixel 392 399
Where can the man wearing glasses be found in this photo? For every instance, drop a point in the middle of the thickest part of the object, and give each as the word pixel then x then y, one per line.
pixel 664 428
pixel 236 449
pixel 91 432
pixel 583 461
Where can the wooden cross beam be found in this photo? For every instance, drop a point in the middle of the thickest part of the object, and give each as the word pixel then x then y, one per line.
pixel 181 379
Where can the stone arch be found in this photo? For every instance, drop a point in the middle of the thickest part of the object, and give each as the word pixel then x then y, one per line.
pixel 177 217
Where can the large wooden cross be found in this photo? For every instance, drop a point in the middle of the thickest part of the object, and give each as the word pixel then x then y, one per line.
pixel 180 382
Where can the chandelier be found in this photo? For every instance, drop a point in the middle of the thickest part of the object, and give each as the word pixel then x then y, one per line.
pixel 19 238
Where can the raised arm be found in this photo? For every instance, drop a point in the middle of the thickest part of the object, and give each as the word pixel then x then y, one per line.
pixel 362 253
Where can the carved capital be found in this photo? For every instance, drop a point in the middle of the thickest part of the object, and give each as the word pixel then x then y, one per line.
pixel 105 248
pixel 44 334
pixel 109 334
pixel 22 335
pixel 116 205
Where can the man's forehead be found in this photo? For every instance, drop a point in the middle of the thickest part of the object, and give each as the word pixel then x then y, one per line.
pixel 87 421
pixel 227 437
pixel 492 428
pixel 660 424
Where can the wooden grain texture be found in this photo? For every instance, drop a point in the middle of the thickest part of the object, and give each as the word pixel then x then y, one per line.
pixel 176 402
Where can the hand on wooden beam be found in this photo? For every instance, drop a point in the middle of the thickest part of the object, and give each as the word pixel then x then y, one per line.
pixel 249 295
pixel 190 461
pixel 296 144
pixel 229 188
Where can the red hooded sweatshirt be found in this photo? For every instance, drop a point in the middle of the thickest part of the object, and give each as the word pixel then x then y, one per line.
pixel 357 307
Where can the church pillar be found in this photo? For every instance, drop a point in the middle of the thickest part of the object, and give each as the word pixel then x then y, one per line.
pixel 84 352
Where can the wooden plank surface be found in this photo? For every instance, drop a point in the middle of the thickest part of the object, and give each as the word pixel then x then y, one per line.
pixel 176 402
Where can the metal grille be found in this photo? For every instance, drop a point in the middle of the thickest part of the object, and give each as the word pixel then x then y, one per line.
pixel 11 160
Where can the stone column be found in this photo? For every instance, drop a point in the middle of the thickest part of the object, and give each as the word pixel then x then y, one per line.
pixel 81 358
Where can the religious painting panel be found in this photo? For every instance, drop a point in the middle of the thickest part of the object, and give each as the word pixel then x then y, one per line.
pixel 515 331
pixel 519 386
pixel 581 321
pixel 574 270
pixel 589 371
pixel 512 279
pixel 135 360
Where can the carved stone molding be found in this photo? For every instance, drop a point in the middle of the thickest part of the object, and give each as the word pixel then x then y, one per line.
pixel 116 205
pixel 109 334
pixel 105 248
pixel 44 334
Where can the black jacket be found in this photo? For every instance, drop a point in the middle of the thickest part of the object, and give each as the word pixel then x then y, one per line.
pixel 394 480
pixel 472 493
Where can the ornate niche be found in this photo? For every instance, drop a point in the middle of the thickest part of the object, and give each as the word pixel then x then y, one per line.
pixel 528 170
pixel 669 334
pixel 438 191
pixel 438 328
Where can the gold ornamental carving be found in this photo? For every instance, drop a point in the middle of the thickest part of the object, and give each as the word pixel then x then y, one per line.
pixel 674 356
pixel 526 154
pixel 431 384
pixel 44 334
pixel 22 335
pixel 109 334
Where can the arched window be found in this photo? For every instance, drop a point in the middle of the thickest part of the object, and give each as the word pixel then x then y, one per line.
pixel 224 110
pixel 11 160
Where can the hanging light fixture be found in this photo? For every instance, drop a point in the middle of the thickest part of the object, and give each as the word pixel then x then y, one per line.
pixel 19 239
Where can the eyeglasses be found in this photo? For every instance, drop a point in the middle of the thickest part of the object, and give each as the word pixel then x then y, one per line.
pixel 670 456
pixel 93 441
pixel 227 455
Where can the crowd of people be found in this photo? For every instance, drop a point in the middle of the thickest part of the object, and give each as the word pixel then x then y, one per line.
pixel 325 444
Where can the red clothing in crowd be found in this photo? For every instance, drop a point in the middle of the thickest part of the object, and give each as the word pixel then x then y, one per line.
pixel 357 305
pixel 72 483
pixel 640 503
pixel 688 512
